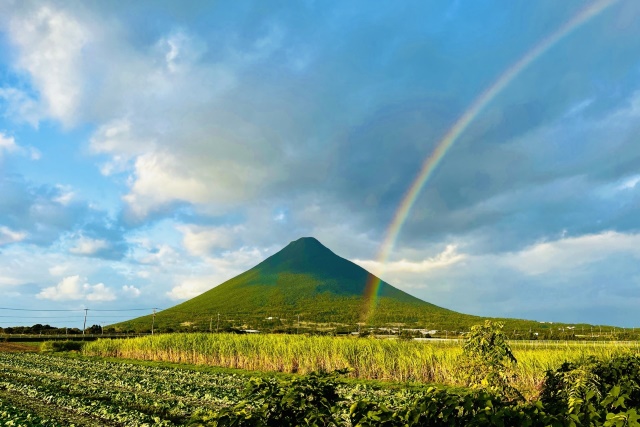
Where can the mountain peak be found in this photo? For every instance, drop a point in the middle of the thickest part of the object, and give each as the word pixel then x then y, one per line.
pixel 304 278
pixel 305 243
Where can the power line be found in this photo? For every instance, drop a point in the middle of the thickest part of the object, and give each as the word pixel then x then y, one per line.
pixel 40 310
pixel 79 309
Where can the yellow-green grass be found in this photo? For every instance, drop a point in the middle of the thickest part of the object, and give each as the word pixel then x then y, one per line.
pixel 368 358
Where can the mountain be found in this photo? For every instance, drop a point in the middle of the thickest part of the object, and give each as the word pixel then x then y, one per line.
pixel 305 281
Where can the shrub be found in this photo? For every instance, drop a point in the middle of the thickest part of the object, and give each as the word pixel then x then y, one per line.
pixel 311 400
pixel 487 360
pixel 55 346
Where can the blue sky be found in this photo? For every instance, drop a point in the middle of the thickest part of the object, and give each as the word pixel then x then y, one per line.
pixel 152 150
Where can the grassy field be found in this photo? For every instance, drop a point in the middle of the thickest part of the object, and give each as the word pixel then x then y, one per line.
pixel 381 359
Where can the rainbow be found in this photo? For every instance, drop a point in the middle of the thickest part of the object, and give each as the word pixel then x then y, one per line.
pixel 431 162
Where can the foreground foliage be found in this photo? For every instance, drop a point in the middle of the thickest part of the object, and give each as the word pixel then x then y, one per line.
pixel 49 390
pixel 608 398
pixel 392 360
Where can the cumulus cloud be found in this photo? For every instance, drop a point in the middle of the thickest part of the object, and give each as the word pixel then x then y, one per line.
pixel 219 269
pixel 190 288
pixel 88 246
pixel 58 270
pixel 571 253
pixel 20 107
pixel 131 291
pixel 51 44
pixel 117 139
pixel 161 254
pixel 73 288
pixel 445 259
pixel 200 240
pixel 181 50
pixel 10 236
pixel 160 180
pixel 7 144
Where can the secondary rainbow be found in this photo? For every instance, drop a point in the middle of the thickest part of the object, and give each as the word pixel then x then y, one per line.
pixel 431 162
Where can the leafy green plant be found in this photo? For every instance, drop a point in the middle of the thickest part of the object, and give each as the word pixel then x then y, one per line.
pixel 311 400
pixel 595 392
pixel 487 360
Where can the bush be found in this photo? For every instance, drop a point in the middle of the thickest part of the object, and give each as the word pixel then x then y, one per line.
pixel 311 400
pixel 595 392
pixel 487 360
pixel 56 346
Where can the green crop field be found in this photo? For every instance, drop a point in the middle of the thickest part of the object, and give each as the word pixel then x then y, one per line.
pixel 49 390
pixel 39 389
pixel 369 358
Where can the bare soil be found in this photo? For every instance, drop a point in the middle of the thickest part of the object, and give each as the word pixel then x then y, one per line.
pixel 13 347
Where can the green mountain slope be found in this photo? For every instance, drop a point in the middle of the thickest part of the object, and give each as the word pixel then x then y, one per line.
pixel 304 280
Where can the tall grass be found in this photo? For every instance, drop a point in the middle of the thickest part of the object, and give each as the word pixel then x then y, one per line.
pixel 384 359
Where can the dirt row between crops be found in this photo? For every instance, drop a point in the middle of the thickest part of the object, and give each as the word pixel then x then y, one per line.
pixel 12 347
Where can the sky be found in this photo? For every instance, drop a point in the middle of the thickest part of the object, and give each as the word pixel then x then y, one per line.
pixel 151 150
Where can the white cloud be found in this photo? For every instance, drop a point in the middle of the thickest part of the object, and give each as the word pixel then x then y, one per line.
pixel 58 270
pixel 629 183
pixel 117 139
pixel 572 253
pixel 9 281
pixel 8 236
pixel 66 195
pixel 131 291
pixel 7 144
pixel 87 246
pixel 34 153
pixel 161 254
pixel 20 107
pixel 181 50
pixel 161 179
pixel 51 44
pixel 443 260
pixel 190 288
pixel 280 217
pixel 73 288
pixel 186 132
pixel 226 266
pixel 199 240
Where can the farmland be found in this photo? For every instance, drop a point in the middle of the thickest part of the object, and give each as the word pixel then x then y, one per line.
pixel 100 393
pixel 48 389
pixel 39 389
pixel 389 360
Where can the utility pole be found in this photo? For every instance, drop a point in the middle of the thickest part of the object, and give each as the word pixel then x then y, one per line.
pixel 218 324
pixel 153 323
pixel 298 327
pixel 210 324
pixel 85 321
